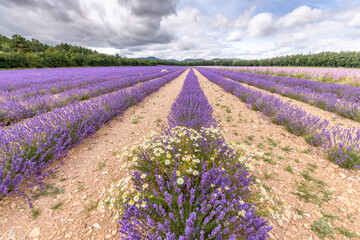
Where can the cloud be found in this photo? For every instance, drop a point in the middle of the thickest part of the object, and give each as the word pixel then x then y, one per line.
pixel 236 35
pixel 114 23
pixel 153 8
pixel 187 29
pixel 300 16
pixel 261 25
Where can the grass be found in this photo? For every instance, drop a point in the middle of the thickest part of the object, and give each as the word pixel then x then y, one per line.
pixel 322 228
pixel 135 120
pixel 268 176
pixel 347 233
pixel 247 142
pixel 299 212
pixel 268 153
pixel 289 169
pixel 227 108
pixel 297 160
pixel 158 121
pixel 351 217
pixel 306 150
pixel 314 193
pixel 35 212
pixel 91 206
pixel 269 160
pixel 101 165
pixel 229 118
pixel 260 145
pixel 80 186
pixel 280 157
pixel 49 190
pixel 306 175
pixel 236 133
pixel 286 149
pixel 251 137
pixel 311 167
pixel 272 142
pixel 57 206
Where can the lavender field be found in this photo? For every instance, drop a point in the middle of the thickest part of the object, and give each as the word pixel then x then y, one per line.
pixel 208 172
pixel 349 76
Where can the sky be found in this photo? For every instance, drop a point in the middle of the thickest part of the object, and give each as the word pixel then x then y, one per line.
pixel 179 29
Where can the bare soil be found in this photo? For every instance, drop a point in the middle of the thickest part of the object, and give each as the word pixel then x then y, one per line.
pixel 89 168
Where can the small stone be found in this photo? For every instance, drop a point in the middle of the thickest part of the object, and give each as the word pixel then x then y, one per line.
pixel 68 235
pixel 11 235
pixel 108 236
pixel 342 175
pixel 260 154
pixel 317 213
pixel 310 238
pixel 308 215
pixel 306 225
pixel 35 232
pixel 13 205
pixel 110 150
pixel 272 236
pixel 288 233
pixel 96 225
pixel 90 231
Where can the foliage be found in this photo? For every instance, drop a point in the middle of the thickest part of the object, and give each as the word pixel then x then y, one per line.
pixel 18 52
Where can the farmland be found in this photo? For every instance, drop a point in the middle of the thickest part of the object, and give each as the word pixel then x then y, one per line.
pixel 178 153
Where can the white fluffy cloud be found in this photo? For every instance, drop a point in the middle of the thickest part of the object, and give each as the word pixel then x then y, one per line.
pixel 300 16
pixel 261 25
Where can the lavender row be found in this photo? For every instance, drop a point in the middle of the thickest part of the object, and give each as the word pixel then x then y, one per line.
pixel 30 146
pixel 341 145
pixel 191 108
pixel 339 90
pixel 68 81
pixel 45 79
pixel 346 106
pixel 14 111
pixel 186 193
pixel 340 75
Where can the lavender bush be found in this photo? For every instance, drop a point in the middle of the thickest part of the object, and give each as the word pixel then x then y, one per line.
pixel 27 148
pixel 340 99
pixel 338 75
pixel 341 145
pixel 189 182
pixel 23 106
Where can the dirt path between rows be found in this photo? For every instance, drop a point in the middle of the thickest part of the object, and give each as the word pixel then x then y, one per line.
pixel 332 117
pixel 276 150
pixel 90 166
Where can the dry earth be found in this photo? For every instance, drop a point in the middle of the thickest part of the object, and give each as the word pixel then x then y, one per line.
pixel 274 144
pixel 89 168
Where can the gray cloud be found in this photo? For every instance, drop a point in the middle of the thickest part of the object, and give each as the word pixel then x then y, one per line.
pixel 114 23
pixel 154 8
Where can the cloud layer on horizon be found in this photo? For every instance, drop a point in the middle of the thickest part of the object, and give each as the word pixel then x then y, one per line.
pixel 174 29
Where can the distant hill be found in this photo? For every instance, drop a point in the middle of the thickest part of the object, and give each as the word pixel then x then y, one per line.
pixel 174 60
pixel 193 60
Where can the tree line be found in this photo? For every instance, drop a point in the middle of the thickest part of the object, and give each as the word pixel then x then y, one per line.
pixel 18 52
pixel 350 59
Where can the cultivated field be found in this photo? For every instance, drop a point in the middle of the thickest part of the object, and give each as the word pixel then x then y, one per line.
pixel 178 153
